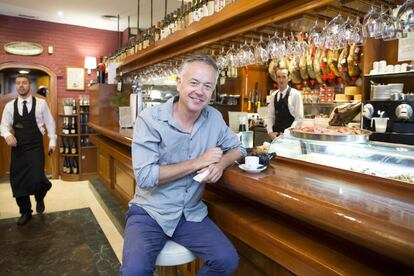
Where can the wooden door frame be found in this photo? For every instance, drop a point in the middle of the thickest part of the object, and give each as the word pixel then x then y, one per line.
pixel 52 96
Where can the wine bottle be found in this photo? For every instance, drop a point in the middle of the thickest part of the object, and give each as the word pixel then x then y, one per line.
pixel 67 148
pixel 73 106
pixel 72 126
pixel 62 146
pixel 73 148
pixel 64 126
pixel 65 165
pixel 74 166
pixel 101 71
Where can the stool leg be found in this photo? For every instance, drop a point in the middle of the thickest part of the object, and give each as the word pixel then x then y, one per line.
pixel 167 271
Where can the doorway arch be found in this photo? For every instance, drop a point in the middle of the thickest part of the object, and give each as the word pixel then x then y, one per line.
pixel 52 98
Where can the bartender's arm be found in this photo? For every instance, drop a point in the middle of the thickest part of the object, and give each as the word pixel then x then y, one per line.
pixel 297 103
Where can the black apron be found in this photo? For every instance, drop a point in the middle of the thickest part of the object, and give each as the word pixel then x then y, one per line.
pixel 27 175
pixel 283 118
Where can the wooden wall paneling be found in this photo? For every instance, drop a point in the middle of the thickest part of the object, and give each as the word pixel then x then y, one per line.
pixel 124 180
pixel 103 167
pixel 89 164
pixel 254 263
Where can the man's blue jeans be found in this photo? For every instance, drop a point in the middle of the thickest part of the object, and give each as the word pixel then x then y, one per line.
pixel 144 239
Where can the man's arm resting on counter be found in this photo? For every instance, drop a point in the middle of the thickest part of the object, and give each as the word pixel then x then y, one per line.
pixel 173 172
pixel 216 170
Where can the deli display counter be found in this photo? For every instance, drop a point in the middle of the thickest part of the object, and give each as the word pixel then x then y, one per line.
pixel 386 160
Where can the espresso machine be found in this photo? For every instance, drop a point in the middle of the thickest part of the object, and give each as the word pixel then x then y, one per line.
pixel 400 124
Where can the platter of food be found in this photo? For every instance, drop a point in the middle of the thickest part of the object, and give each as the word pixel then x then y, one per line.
pixel 331 133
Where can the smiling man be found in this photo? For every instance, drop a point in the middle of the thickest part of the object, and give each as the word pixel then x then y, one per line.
pixel 171 144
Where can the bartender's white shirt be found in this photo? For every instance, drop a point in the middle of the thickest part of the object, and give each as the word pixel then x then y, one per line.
pixel 42 113
pixel 295 106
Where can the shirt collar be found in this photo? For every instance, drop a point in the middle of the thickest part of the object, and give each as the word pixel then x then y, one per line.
pixel 284 91
pixel 166 114
pixel 28 100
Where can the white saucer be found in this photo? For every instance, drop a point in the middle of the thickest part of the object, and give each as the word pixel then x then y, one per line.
pixel 249 170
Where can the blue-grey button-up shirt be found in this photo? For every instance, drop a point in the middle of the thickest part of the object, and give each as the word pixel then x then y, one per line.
pixel 159 140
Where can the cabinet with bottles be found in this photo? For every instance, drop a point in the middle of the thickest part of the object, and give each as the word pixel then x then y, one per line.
pixel 77 156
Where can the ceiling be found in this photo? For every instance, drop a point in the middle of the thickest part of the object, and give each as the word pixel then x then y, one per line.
pixel 89 13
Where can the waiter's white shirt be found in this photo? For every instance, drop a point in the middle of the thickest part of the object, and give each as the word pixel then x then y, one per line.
pixel 42 113
pixel 295 106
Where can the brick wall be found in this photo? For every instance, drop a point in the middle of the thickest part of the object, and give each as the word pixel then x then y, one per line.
pixel 71 44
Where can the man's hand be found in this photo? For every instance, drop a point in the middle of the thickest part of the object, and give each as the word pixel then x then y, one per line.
pixel 215 173
pixel 11 140
pixel 211 156
pixel 51 150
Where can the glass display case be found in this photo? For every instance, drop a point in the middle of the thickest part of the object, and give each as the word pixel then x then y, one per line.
pixel 394 161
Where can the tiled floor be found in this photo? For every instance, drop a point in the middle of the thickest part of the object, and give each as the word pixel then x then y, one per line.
pixel 65 196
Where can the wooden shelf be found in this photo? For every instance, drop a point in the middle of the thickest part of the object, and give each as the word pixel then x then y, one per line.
pixel 85 156
pixel 88 147
pixel 234 19
pixel 70 176
pixel 71 115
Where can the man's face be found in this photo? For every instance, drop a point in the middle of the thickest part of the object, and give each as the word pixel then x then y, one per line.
pixel 283 78
pixel 22 86
pixel 196 86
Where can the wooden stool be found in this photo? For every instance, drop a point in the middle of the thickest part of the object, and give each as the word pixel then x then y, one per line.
pixel 170 256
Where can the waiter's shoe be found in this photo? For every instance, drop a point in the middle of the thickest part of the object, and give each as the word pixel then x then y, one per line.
pixel 24 219
pixel 40 207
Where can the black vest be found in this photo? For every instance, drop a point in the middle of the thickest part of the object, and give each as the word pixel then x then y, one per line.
pixel 283 118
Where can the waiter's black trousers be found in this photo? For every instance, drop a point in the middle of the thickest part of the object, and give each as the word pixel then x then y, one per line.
pixel 24 203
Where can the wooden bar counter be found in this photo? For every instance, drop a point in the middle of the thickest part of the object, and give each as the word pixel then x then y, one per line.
pixel 307 219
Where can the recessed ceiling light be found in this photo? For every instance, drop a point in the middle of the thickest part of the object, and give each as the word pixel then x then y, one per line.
pixel 60 13
pixel 24 71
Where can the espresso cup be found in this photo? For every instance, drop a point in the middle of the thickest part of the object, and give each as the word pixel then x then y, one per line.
pixel 251 162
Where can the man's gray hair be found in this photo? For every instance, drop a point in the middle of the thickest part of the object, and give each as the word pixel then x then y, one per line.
pixel 200 58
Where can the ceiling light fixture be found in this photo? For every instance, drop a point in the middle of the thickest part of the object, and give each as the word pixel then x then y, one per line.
pixel 24 72
pixel 60 13
pixel 110 17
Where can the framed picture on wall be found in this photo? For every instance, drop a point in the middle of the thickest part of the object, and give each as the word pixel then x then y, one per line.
pixel 75 78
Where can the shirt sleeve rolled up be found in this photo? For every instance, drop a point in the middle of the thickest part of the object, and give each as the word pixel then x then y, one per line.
pixel 145 154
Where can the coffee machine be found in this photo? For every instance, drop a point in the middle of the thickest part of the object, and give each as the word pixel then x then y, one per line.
pixel 400 125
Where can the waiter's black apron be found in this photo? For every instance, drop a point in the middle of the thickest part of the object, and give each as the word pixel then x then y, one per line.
pixel 283 118
pixel 27 175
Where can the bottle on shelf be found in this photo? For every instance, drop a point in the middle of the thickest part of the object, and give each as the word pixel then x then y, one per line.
pixel 73 148
pixel 210 6
pixel 73 126
pixel 62 146
pixel 66 166
pixel 74 106
pixel 101 70
pixel 74 166
pixel 67 147
pixel 65 126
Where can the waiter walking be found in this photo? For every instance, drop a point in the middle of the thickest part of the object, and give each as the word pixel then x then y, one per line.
pixel 23 126
pixel 286 106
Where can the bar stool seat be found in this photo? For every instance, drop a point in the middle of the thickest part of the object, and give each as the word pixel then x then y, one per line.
pixel 171 255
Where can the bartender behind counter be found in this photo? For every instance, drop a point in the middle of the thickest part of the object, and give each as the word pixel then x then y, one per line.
pixel 286 106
